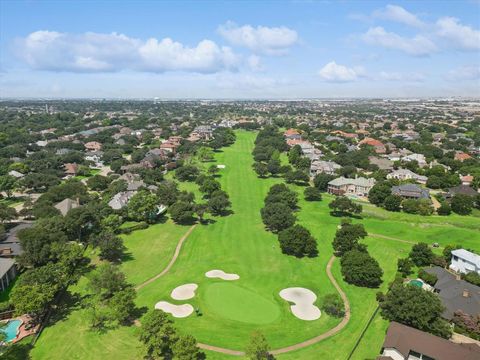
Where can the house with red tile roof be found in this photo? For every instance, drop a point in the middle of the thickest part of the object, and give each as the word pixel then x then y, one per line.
pixel 461 156
pixel 379 147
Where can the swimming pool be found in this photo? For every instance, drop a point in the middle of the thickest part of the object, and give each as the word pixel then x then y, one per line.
pixel 11 329
pixel 418 283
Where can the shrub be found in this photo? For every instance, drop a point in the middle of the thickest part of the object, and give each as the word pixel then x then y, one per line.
pixel 332 304
pixel 430 279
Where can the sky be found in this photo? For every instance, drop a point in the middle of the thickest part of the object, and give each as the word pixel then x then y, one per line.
pixel 239 49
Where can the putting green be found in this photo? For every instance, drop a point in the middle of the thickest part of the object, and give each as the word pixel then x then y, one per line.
pixel 236 303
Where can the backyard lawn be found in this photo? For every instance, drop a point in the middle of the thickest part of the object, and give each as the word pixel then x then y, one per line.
pixel 239 244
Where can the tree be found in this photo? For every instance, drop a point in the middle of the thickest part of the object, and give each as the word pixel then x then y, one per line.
pixel 312 194
pixel 167 192
pixel 412 306
pixel 462 204
pixel 107 280
pixel 346 238
pixel 185 348
pixel 213 170
pixel 444 209
pixel 111 246
pixel 430 279
pixel 158 335
pixel 209 186
pixel 181 212
pixel 261 169
pixel 205 154
pixel 122 304
pixel 379 192
pixel 32 299
pixel 187 173
pixel 258 348
pixel 277 216
pixel 7 184
pixel 7 213
pixel 421 254
pixel 280 193
pixel 111 222
pixel 200 210
pixel 321 181
pixel 143 206
pixel 297 241
pixel 342 205
pixel 98 182
pixel 273 166
pixel 332 304
pixel 404 266
pixel 218 203
pixel 360 269
pixel 393 203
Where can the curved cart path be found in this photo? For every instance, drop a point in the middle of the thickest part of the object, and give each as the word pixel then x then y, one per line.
pixel 172 261
pixel 305 343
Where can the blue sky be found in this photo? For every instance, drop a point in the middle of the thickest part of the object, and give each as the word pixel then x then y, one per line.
pixel 242 49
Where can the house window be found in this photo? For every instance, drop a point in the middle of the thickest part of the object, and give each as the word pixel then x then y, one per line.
pixel 455 258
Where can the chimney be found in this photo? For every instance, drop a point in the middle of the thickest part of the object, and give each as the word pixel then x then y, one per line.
pixel 457 277
pixel 465 293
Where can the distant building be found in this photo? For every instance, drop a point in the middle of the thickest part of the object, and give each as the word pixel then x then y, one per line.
pixel 406 343
pixel 419 158
pixel 411 191
pixel 464 261
pixel 343 186
pixel 461 156
pixel 66 205
pixel 292 134
pixel 120 200
pixel 16 174
pixel 93 146
pixel 382 163
pixel 320 166
pixel 460 189
pixel 379 147
pixel 405 174
pixel 71 169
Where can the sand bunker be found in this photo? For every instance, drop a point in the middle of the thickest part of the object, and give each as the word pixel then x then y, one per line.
pixel 184 292
pixel 303 300
pixel 178 311
pixel 221 166
pixel 221 275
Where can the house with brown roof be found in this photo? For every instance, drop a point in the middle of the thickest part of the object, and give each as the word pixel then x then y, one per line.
pixel 379 147
pixel 406 343
pixel 462 156
pixel 71 169
pixel 292 134
pixel 93 146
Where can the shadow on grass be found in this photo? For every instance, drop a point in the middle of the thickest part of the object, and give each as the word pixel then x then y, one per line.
pixel 19 351
pixel 68 304
pixel 345 214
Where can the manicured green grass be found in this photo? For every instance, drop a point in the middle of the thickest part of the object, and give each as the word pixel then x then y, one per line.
pixel 238 243
pixel 236 303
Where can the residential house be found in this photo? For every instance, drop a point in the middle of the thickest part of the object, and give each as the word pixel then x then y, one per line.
pixel 8 272
pixel 466 179
pixel 411 191
pixel 10 246
pixel 71 169
pixel 293 142
pixel 120 200
pixel 66 205
pixel 16 174
pixel 93 146
pixel 310 152
pixel 205 132
pixel 95 157
pixel 460 189
pixel 462 156
pixel 292 134
pixel 405 174
pixel 327 167
pixel 359 186
pixel 406 343
pixel 419 158
pixel 379 147
pixel 464 261
pixel 455 294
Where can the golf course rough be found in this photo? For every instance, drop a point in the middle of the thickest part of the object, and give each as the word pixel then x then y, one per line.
pixel 234 302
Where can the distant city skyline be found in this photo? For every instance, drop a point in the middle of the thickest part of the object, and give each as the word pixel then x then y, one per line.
pixel 239 50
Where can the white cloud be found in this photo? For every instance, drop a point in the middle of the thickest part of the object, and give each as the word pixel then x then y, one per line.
pixel 255 63
pixel 468 72
pixel 460 36
pixel 396 76
pixel 334 72
pixel 96 52
pixel 260 39
pixel 417 46
pixel 398 14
